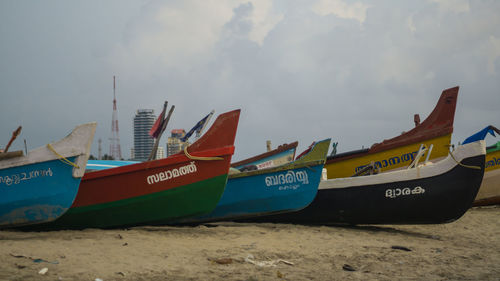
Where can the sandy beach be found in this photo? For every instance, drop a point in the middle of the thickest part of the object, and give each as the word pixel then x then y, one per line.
pixel 467 249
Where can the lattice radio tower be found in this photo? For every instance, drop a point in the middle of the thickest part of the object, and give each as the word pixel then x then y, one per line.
pixel 114 146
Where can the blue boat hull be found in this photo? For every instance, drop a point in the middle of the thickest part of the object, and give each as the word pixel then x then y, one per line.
pixel 36 193
pixel 263 194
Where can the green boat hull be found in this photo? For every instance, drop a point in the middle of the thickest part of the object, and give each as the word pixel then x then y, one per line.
pixel 153 209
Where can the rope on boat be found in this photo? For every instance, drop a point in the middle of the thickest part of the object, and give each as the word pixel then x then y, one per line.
pixel 464 165
pixel 62 158
pixel 199 157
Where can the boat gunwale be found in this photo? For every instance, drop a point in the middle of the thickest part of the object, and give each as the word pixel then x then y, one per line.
pixel 284 167
pixel 76 144
pixel 169 161
pixel 311 158
pixel 281 148
pixel 420 172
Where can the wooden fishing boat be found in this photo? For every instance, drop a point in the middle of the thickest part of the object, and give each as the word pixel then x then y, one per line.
pixel 489 192
pixel 41 186
pixel 429 193
pixel 400 151
pixel 283 154
pixel 186 184
pixel 284 188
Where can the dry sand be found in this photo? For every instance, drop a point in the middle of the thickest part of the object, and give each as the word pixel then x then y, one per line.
pixel 468 249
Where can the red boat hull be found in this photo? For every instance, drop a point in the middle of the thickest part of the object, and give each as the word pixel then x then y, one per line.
pixel 158 191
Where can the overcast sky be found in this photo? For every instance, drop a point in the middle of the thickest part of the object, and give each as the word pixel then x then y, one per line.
pixel 353 71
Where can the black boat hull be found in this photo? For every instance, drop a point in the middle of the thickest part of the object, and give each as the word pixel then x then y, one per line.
pixel 446 198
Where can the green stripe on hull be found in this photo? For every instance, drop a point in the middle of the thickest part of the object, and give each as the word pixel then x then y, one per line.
pixel 157 208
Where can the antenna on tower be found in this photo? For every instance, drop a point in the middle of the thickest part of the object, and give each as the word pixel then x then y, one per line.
pixel 114 146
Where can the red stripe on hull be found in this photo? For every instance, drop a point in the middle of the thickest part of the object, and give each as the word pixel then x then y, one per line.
pixel 127 185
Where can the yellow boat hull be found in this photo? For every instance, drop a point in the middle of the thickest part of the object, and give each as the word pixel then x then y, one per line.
pixel 489 192
pixel 390 159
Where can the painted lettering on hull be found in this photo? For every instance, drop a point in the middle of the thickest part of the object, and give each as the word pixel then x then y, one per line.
pixel 493 163
pixel 172 173
pixel 396 192
pixel 393 161
pixel 267 164
pixel 288 180
pixel 24 176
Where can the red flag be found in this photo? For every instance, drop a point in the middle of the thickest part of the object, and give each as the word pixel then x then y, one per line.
pixel 156 129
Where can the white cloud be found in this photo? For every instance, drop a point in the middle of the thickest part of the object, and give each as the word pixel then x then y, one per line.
pixel 356 11
pixel 184 33
pixel 493 54
pixel 175 34
pixel 399 67
pixel 263 20
pixel 411 25
pixel 456 6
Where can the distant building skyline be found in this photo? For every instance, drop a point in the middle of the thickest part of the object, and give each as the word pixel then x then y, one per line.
pixel 160 153
pixel 143 142
pixel 174 143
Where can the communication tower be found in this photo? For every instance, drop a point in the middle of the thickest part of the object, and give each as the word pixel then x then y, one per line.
pixel 114 146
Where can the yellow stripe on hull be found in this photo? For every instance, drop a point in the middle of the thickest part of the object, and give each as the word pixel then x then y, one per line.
pixel 489 192
pixel 492 161
pixel 389 159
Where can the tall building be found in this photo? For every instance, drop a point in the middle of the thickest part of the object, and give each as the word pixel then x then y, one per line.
pixel 160 153
pixel 143 142
pixel 174 143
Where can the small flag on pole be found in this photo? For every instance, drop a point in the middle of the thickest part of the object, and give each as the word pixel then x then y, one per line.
pixel 198 127
pixel 157 126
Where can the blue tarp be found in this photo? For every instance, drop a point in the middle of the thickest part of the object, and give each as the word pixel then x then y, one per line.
pixel 481 135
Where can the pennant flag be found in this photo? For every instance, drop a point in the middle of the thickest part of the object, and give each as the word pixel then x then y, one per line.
pixel 198 127
pixel 481 135
pixel 156 129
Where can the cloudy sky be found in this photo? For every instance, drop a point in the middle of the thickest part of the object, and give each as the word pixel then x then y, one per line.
pixel 353 71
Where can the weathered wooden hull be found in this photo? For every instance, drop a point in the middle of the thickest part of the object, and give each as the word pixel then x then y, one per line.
pixel 400 151
pixel 489 192
pixel 159 191
pixel 40 187
pixel 285 188
pixel 435 193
